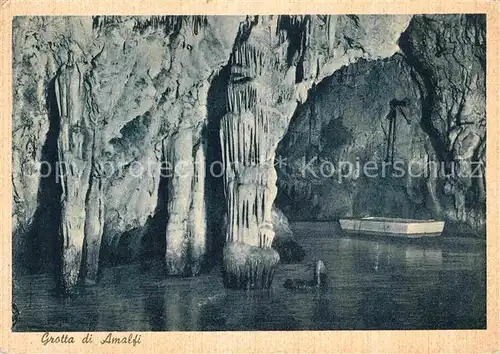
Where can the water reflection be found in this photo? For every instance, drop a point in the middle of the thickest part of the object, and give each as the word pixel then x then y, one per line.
pixel 382 254
pixel 374 283
pixel 154 310
pixel 418 255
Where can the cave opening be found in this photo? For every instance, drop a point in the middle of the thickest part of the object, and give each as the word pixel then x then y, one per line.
pixel 44 239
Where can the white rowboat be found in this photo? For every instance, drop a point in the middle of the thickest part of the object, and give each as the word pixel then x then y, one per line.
pixel 409 228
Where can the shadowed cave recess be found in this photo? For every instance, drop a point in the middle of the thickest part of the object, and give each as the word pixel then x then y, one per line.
pixel 265 114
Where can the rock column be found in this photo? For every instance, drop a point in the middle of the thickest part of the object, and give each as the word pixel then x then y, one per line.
pixel 186 227
pixel 78 173
pixel 74 166
pixel 94 224
pixel 248 140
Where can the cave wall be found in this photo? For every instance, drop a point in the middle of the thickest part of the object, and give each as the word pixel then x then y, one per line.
pixel 448 54
pixel 145 83
pixel 439 74
pixel 346 120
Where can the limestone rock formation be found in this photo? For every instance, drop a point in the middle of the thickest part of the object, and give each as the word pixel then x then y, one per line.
pixel 437 83
pixel 117 121
pixel 114 100
pixel 289 250
pixel 344 125
pixel 448 54
pixel 38 60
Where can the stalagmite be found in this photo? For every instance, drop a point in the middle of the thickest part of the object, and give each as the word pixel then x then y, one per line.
pixel 94 225
pixel 178 152
pixel 186 227
pixel 197 219
pixel 248 145
pixel 261 97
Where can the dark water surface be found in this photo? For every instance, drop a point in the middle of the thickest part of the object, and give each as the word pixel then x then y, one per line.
pixel 374 283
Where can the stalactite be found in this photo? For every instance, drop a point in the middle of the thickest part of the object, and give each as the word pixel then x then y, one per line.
pixel 94 209
pixel 260 100
pixel 169 24
pixel 331 23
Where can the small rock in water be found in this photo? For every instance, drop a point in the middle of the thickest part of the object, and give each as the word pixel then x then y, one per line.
pixel 320 273
pixel 319 278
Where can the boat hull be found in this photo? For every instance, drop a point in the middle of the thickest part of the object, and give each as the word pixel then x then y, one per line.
pixel 394 227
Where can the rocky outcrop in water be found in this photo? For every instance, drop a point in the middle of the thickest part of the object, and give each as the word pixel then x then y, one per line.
pixel 274 62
